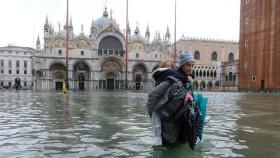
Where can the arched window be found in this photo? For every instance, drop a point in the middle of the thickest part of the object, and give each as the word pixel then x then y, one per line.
pixel 214 56
pixel 196 55
pixel 231 57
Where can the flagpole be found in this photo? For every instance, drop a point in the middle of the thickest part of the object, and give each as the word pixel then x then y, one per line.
pixel 67 47
pixel 126 46
pixel 175 50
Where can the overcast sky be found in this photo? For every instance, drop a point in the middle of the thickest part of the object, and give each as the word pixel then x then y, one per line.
pixel 23 20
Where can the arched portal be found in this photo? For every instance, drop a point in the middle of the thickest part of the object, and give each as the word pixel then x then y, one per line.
pixel 140 75
pixel 110 80
pixel 81 75
pixel 112 70
pixel 57 72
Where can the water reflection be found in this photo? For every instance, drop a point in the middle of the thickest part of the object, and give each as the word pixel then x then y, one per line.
pixel 107 124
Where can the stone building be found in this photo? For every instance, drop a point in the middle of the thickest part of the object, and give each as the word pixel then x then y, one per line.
pixel 216 64
pixel 16 62
pixel 259 45
pixel 97 61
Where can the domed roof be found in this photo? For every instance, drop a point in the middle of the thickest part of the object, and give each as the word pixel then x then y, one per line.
pixel 104 20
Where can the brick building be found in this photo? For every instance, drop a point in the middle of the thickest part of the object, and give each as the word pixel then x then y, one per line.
pixel 259 45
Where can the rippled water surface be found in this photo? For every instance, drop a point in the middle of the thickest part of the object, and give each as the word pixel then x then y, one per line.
pixel 108 124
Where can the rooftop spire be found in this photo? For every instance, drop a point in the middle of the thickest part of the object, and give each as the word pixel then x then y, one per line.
pixel 47 21
pixel 105 13
pixel 167 34
pixel 147 34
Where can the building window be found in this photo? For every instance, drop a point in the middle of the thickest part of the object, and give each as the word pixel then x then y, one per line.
pixel 155 55
pixel 214 56
pixel 17 71
pixel 247 1
pixel 25 63
pixel 2 71
pixel 196 55
pixel 246 21
pixel 17 52
pixel 231 57
pixel 25 83
pixel 82 53
pixel 10 63
pixel 137 55
pixel 2 83
pixel 59 52
pixel 2 63
pixel 230 76
pixel 25 72
pixel 17 63
pixel 10 71
pixel 25 53
pixel 246 43
pixel 254 78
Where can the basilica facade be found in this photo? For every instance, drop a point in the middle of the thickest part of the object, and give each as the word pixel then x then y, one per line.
pixel 97 61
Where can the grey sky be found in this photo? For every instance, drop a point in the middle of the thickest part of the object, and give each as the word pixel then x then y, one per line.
pixel 23 20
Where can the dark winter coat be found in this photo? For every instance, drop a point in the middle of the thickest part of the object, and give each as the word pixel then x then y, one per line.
pixel 173 128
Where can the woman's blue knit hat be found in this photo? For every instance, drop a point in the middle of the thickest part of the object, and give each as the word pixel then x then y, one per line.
pixel 185 57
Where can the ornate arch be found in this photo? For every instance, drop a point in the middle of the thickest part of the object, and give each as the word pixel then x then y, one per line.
pixel 57 70
pixel 82 61
pixel 56 62
pixel 82 42
pixel 117 35
pixel 57 42
pixel 112 58
pixel 111 65
pixel 140 72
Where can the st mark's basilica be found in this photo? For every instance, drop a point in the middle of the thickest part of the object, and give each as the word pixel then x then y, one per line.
pixel 97 61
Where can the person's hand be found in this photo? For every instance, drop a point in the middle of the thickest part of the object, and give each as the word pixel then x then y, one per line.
pixel 190 78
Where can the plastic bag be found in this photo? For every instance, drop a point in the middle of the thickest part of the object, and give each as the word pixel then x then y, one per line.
pixel 156 124
pixel 202 101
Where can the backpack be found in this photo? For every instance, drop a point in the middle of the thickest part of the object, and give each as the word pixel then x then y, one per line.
pixel 174 107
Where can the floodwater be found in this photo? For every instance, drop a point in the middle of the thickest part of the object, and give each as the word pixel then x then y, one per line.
pixel 115 124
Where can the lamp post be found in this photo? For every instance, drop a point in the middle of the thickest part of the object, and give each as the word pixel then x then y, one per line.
pixel 175 49
pixel 126 46
pixel 67 47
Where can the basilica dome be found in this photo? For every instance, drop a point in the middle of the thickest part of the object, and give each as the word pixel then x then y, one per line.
pixel 104 20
